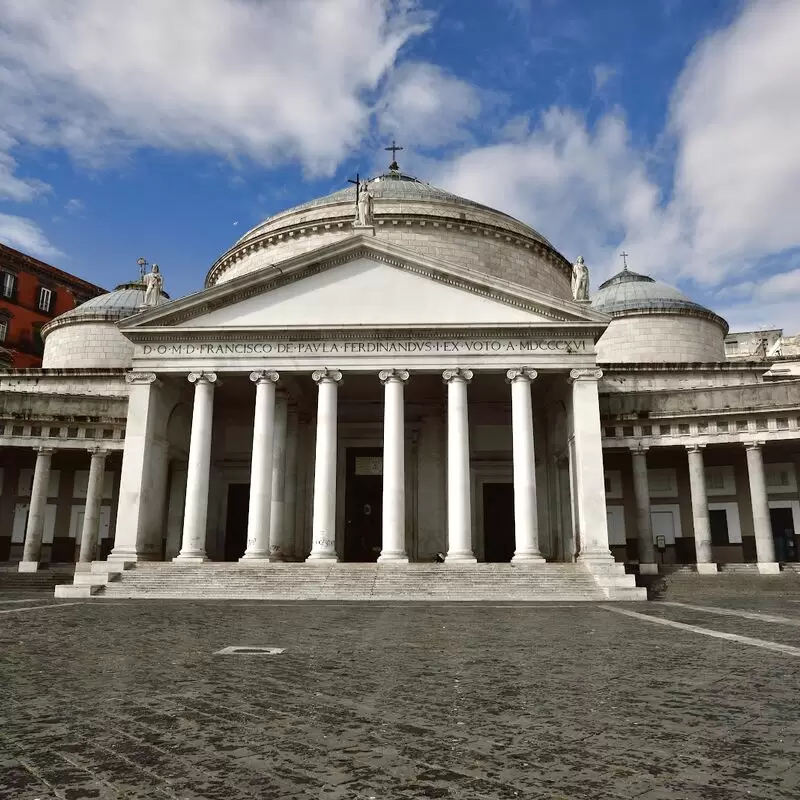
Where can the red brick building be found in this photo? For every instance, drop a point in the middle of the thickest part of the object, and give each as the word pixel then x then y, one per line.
pixel 31 294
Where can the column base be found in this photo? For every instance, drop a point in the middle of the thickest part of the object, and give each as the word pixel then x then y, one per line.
pixel 460 558
pixel 648 569
pixel 255 559
pixel 707 568
pixel 527 558
pixel 83 566
pixel 769 568
pixel 322 558
pixel 393 557
pixel 191 558
pixel 28 566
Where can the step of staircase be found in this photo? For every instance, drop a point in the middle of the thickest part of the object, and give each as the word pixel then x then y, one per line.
pixel 42 582
pixel 352 582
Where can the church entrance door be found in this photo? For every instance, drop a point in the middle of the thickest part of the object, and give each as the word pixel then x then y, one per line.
pixel 498 522
pixel 236 521
pixel 363 501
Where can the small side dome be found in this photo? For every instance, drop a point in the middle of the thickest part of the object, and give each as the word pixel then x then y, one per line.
pixel 87 336
pixel 655 322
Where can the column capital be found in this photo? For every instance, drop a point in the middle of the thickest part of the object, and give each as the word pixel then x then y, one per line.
pixel 585 375
pixel 695 448
pixel 457 374
pixel 393 376
pixel 526 374
pixel 140 377
pixel 264 376
pixel 45 451
pixel 202 377
pixel 753 445
pixel 97 452
pixel 326 375
pixel 639 450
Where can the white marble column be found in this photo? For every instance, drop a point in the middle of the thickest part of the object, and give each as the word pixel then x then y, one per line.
pixel 323 525
pixel 762 524
pixel 589 478
pixel 526 515
pixel 277 521
pixel 394 474
pixel 195 517
pixel 459 503
pixel 91 514
pixel 644 524
pixel 290 487
pixel 702 526
pixel 32 549
pixel 260 506
pixel 176 506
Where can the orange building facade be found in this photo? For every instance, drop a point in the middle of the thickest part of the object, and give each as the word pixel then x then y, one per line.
pixel 31 294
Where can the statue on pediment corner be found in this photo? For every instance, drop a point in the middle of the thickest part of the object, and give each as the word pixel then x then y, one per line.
pixel 364 208
pixel 154 285
pixel 580 280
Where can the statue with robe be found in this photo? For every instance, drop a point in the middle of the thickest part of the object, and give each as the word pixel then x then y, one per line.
pixel 154 285
pixel 364 216
pixel 580 280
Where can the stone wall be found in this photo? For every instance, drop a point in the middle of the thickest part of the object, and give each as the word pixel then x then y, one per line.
pixel 652 337
pixel 87 345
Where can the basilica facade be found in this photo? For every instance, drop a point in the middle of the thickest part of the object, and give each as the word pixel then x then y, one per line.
pixel 394 375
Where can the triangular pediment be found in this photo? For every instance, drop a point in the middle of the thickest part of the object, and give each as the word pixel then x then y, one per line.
pixel 363 283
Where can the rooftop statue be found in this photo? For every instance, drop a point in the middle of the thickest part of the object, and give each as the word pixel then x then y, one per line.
pixel 580 280
pixel 364 215
pixel 154 285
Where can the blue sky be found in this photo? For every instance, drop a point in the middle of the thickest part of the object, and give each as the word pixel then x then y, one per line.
pixel 668 128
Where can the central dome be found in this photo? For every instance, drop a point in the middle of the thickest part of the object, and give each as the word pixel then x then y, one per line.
pixel 416 216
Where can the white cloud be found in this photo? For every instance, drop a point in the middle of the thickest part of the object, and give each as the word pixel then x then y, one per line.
pixel 25 235
pixel 602 74
pixel 12 187
pixel 287 79
pixel 426 106
pixel 74 206
pixel 732 204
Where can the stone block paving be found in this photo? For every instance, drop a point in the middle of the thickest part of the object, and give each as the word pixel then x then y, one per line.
pixel 126 700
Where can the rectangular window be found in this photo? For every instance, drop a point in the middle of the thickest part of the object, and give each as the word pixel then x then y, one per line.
pixel 781 423
pixel 45 298
pixel 3 330
pixel 647 430
pixel 627 430
pixel 683 428
pixel 666 430
pixel 9 284
pixel 741 424
pixel 722 427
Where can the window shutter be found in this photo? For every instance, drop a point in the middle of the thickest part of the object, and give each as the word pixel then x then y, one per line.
pixel 52 307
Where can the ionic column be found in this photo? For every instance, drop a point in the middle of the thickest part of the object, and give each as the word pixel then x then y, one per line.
pixel 394 478
pixel 260 506
pixel 762 524
pixel 290 487
pixel 644 524
pixel 276 521
pixel 459 506
pixel 195 516
pixel 323 526
pixel 91 514
pixel 589 478
pixel 32 549
pixel 702 526
pixel 526 515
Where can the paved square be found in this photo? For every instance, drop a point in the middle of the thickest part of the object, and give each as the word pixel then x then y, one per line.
pixel 128 700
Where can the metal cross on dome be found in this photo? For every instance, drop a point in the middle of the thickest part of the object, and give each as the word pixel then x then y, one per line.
pixel 624 257
pixel 393 150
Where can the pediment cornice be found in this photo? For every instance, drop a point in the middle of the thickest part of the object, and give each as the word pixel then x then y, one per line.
pixel 559 311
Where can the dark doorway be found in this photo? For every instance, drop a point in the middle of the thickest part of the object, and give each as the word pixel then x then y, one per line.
pixel 362 505
pixel 783 534
pixel 236 521
pixel 498 521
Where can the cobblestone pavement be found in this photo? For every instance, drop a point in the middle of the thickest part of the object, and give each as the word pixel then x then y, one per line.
pixel 127 700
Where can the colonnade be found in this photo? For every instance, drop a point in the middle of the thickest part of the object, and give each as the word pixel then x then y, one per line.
pixel 34 529
pixel 762 527
pixel 264 530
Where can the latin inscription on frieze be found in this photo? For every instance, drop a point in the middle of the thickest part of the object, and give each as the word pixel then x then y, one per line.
pixel 368 347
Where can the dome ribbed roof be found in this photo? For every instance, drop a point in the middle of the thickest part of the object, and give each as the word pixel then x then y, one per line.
pixel 393 186
pixel 630 291
pixel 125 301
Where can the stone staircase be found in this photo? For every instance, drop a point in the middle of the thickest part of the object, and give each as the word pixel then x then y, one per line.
pixel 13 582
pixel 352 582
